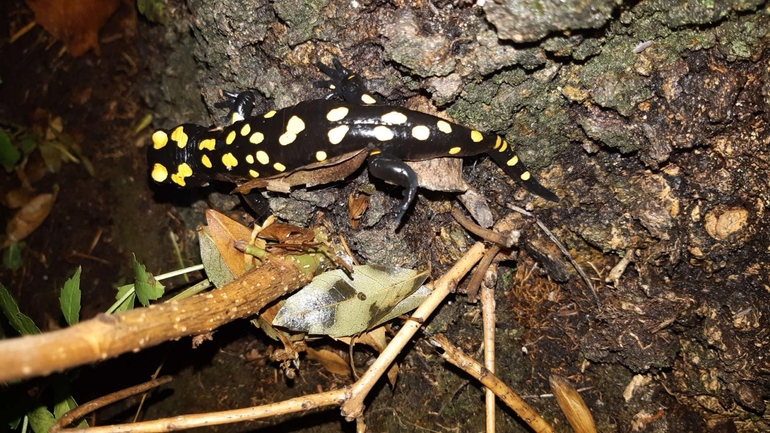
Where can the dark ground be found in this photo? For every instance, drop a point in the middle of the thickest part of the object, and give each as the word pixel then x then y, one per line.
pixel 663 152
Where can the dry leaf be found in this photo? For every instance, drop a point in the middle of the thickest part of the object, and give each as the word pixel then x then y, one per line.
pixel 287 234
pixel 225 232
pixel 310 175
pixel 572 404
pixel 29 218
pixel 74 22
pixel 358 202
pixel 331 361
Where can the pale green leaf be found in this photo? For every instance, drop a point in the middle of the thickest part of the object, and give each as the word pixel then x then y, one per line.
pixel 213 262
pixel 12 256
pixel 20 322
pixel 334 304
pixel 147 288
pixel 128 296
pixel 70 299
pixel 9 154
pixel 41 419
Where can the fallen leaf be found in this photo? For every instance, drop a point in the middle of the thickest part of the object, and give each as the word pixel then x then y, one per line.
pixel 331 361
pixel 224 233
pixel 74 22
pixel 29 218
pixel 337 305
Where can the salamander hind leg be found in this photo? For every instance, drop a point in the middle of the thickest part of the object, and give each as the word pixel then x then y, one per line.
pixel 391 169
pixel 344 84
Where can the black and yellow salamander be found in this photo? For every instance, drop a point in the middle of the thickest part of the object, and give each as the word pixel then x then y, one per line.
pixel 279 141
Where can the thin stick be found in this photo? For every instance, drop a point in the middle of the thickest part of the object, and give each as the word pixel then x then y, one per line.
pixel 183 422
pixel 563 250
pixel 85 409
pixel 488 323
pixel 502 239
pixel 477 278
pixel 468 365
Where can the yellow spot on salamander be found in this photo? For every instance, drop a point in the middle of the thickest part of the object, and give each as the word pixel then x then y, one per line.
pixel 375 152
pixel 337 134
pixel 525 175
pixel 180 137
pixel 159 140
pixel 476 136
pixel 421 132
pixel 279 167
pixel 320 155
pixel 207 144
pixel 206 161
pixel 263 158
pixel 250 159
pixel 294 126
pixel 503 147
pixel 269 114
pixel 454 150
pixel 229 160
pixel 513 161
pixel 286 138
pixel 236 117
pixel 498 141
pixel 336 114
pixel 253 173
pixel 159 173
pixel 230 137
pixel 394 118
pixel 257 138
pixel 177 179
pixel 367 99
pixel 183 171
pixel 444 126
pixel 245 130
pixel 383 133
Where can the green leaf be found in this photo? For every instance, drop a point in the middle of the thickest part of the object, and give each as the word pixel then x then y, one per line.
pixel 213 262
pixel 27 144
pixel 129 294
pixel 337 305
pixel 9 155
pixel 70 299
pixel 147 288
pixel 153 10
pixel 20 322
pixel 41 419
pixel 12 256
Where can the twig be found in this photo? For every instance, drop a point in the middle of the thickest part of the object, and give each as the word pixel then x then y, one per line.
pixel 468 365
pixel 85 409
pixel 563 250
pixel 503 239
pixel 488 322
pixel 479 275
pixel 107 336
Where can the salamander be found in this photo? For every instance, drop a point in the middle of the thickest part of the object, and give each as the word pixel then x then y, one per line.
pixel 348 119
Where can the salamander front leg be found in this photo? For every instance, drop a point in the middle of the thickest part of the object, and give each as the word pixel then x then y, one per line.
pixel 240 104
pixel 344 84
pixel 391 169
